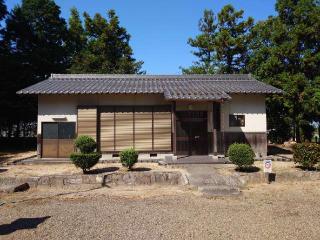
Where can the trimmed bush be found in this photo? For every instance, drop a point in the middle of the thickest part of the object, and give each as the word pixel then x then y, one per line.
pixel 85 161
pixel 85 144
pixel 129 158
pixel 241 155
pixel 87 158
pixel 307 155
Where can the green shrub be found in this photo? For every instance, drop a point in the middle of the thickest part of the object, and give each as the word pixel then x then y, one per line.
pixel 129 157
pixel 85 144
pixel 85 161
pixel 306 154
pixel 241 155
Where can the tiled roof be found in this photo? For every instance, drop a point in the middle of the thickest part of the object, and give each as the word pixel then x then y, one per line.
pixel 173 87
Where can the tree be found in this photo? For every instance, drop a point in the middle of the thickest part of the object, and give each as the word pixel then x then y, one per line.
pixel 205 44
pixel 3 54
pixel 107 49
pixel 223 43
pixel 34 37
pixel 3 10
pixel 233 40
pixel 77 38
pixel 286 54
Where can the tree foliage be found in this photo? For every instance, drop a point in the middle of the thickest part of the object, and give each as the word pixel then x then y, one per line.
pixel 35 41
pixel 286 54
pixel 222 45
pixel 32 49
pixel 104 46
pixel 283 50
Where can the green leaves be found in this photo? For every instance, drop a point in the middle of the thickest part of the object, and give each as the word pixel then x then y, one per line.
pixel 285 53
pixel 222 46
pixel 241 155
pixel 104 46
pixel 129 157
pixel 306 154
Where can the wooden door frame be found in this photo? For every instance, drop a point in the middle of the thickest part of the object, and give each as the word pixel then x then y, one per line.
pixel 189 140
pixel 58 139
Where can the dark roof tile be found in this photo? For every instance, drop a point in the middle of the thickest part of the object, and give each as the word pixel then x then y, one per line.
pixel 174 87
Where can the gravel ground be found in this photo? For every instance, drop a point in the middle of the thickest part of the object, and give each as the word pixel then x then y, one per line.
pixel 276 211
pixel 67 169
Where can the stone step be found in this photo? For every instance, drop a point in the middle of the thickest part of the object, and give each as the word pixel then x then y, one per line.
pixel 214 191
pixel 214 180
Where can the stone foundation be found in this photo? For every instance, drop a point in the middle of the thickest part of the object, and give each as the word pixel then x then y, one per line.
pixel 108 179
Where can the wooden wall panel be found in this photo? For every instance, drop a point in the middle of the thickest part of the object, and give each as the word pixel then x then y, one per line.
pixel 124 130
pixel 143 131
pixel 66 147
pixel 50 148
pixel 107 131
pixel 257 141
pixel 162 131
pixel 87 122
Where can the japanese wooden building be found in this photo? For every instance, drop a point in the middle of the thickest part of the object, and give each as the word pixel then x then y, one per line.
pixel 155 114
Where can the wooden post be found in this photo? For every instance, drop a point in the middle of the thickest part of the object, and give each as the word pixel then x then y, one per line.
pixel 174 130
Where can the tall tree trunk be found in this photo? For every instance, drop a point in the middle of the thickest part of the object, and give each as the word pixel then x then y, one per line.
pixel 10 129
pixel 298 133
pixel 17 132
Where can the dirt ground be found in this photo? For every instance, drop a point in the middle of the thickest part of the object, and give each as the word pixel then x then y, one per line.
pixel 7 157
pixel 68 169
pixel 275 211
pixel 277 167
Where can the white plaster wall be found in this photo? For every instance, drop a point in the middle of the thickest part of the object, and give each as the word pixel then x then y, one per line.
pixel 64 108
pixel 53 108
pixel 252 106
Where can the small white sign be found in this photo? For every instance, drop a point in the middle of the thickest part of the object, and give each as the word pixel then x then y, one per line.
pixel 267 166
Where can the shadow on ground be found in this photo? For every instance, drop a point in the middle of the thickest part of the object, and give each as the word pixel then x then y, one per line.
pixel 250 169
pixel 311 169
pixel 141 169
pixel 21 223
pixel 103 170
pixel 274 150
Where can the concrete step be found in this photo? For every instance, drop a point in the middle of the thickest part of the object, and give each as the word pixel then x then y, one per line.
pixel 214 179
pixel 214 191
pixel 202 159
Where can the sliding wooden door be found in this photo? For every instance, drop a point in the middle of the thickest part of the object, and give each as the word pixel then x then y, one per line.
pixel 58 139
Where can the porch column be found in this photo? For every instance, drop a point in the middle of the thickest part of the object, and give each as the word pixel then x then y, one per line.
pixel 174 132
pixel 216 125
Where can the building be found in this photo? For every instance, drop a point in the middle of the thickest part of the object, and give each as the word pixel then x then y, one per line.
pixel 155 114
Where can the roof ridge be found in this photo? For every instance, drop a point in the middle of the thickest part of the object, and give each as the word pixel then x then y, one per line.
pixel 58 75
pixel 192 77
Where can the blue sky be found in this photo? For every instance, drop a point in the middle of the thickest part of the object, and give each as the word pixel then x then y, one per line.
pixel 160 29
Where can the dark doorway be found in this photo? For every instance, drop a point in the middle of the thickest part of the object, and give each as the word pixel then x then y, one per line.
pixel 192 136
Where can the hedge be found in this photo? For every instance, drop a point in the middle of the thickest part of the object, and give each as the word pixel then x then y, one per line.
pixel 129 158
pixel 87 158
pixel 241 155
pixel 307 155
pixel 85 161
pixel 85 144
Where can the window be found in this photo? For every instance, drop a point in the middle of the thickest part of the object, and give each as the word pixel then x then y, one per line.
pixel 67 130
pixel 236 120
pixel 50 130
pixel 58 130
